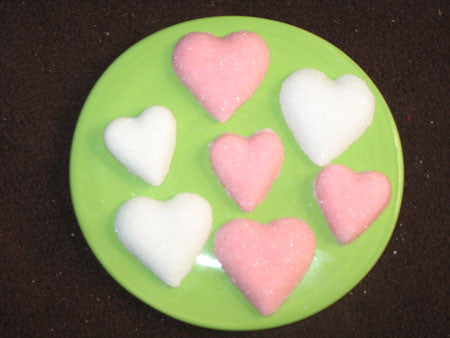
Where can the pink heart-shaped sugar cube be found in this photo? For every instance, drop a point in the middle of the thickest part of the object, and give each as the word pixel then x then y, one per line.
pixel 351 201
pixel 247 167
pixel 222 73
pixel 265 262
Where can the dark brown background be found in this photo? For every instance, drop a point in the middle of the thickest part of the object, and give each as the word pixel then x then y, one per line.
pixel 52 53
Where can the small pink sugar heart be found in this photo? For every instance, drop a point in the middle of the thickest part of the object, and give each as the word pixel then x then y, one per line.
pixel 266 263
pixel 222 73
pixel 247 167
pixel 350 201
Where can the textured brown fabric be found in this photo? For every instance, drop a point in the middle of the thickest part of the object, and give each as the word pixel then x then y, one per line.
pixel 51 54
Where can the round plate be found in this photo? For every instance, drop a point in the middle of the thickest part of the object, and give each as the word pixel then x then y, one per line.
pixel 143 77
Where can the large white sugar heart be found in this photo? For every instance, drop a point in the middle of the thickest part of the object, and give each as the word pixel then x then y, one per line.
pixel 326 116
pixel 165 236
pixel 145 144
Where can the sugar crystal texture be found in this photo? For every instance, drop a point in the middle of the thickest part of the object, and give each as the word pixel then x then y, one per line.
pixel 247 167
pixel 222 73
pixel 350 201
pixel 265 262
pixel 165 236
pixel 145 144
pixel 326 116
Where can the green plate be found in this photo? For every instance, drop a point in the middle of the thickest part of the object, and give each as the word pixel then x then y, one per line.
pixel 143 77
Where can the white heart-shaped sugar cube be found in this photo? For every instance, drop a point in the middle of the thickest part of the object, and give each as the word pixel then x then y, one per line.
pixel 145 144
pixel 326 116
pixel 165 236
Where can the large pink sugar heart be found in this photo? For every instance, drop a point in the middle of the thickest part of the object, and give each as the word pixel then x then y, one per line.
pixel 351 201
pixel 265 262
pixel 222 73
pixel 247 167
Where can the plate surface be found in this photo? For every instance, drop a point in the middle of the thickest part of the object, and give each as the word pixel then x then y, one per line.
pixel 143 77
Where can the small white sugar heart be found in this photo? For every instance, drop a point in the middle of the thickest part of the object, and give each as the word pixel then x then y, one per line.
pixel 326 116
pixel 165 236
pixel 145 144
